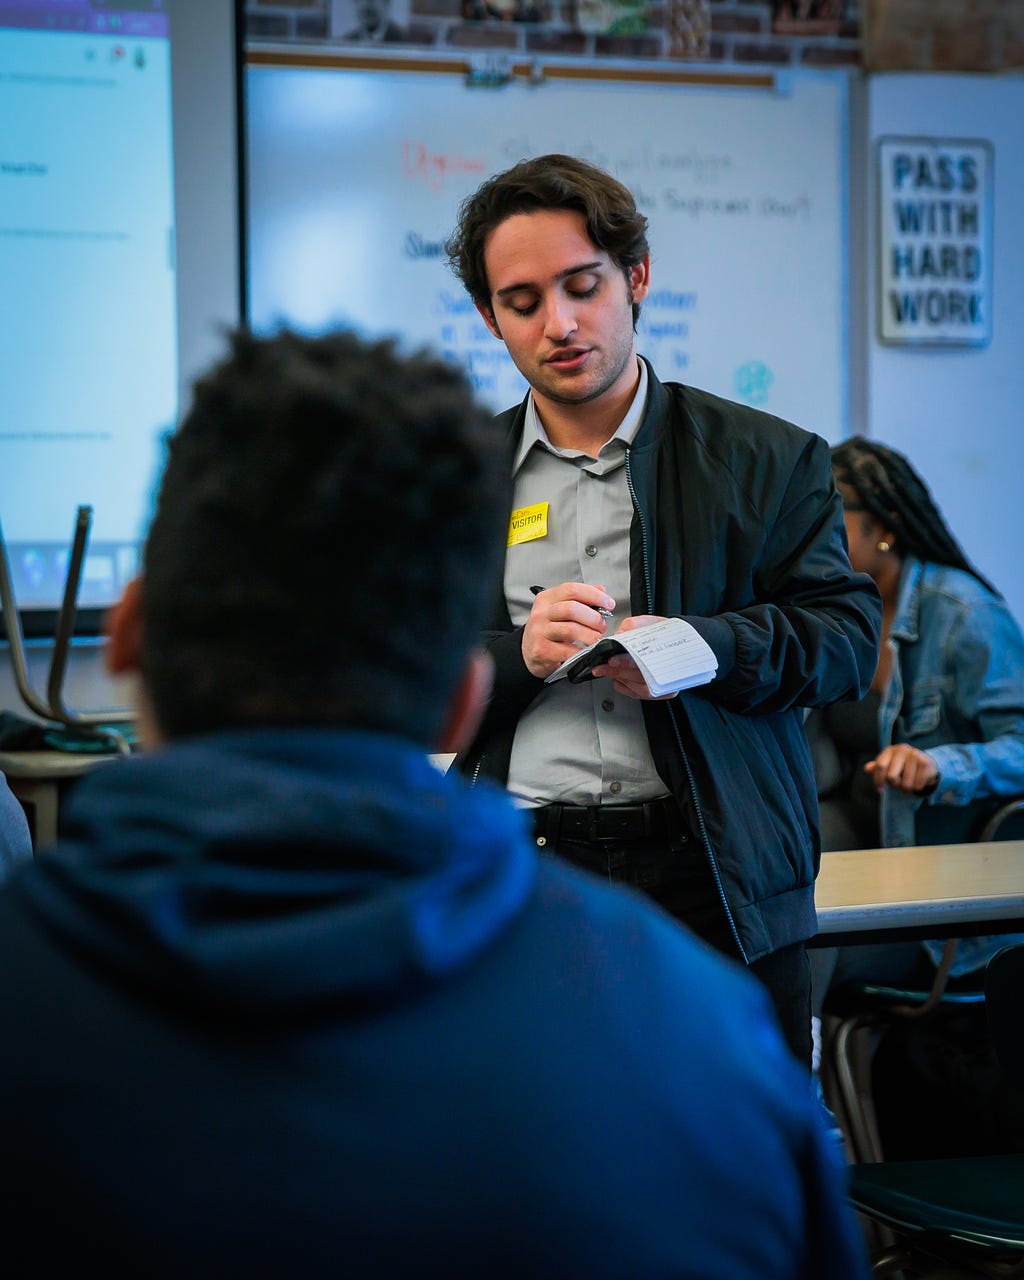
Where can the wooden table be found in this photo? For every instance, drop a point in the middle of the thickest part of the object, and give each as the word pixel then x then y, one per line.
pixel 929 891
pixel 37 778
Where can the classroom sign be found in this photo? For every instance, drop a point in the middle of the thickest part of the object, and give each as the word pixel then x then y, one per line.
pixel 935 241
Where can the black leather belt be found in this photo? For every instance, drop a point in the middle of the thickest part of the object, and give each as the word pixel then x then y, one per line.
pixel 652 820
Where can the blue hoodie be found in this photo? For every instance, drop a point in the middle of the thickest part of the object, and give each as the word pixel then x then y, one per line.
pixel 290 1002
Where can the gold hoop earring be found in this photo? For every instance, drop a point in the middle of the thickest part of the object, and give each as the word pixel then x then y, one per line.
pixel 884 546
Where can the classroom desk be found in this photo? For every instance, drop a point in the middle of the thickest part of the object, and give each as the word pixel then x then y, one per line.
pixel 38 778
pixel 928 891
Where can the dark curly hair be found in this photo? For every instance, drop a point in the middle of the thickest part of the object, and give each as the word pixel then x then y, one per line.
pixel 327 540
pixel 891 490
pixel 614 223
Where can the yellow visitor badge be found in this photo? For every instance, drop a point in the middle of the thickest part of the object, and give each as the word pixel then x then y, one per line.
pixel 528 523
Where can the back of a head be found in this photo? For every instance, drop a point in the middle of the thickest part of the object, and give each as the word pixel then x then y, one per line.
pixel 614 223
pixel 892 491
pixel 327 540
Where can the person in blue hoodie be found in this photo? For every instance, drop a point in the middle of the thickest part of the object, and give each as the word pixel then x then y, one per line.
pixel 285 999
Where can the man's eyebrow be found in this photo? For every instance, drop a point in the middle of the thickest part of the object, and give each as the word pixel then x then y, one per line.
pixel 562 275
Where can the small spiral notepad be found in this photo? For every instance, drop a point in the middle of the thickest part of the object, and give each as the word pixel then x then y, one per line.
pixel 670 654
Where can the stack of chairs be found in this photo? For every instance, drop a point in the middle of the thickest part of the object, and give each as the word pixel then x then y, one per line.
pixel 964 1216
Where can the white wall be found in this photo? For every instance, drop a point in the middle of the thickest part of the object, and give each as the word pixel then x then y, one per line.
pixel 958 414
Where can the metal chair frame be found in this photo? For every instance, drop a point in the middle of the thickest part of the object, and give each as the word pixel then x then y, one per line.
pixel 847 1064
pixel 930 1208
pixel 52 707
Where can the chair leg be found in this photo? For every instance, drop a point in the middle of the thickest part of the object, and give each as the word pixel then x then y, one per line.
pixel 892 1262
pixel 853 1082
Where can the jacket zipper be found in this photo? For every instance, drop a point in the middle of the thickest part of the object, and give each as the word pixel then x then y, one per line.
pixel 649 592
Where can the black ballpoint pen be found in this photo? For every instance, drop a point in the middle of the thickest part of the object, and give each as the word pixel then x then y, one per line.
pixel 605 613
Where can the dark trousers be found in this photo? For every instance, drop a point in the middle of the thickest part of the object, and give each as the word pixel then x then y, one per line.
pixel 658 853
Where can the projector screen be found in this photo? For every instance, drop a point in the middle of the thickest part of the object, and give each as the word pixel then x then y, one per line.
pixel 122 257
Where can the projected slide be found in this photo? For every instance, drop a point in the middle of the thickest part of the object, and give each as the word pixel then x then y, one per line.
pixel 88 343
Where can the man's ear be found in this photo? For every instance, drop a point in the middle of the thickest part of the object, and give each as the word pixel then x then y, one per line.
pixel 487 316
pixel 639 278
pixel 124 631
pixel 467 704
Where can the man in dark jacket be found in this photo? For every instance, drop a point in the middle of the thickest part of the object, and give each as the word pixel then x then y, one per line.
pixel 287 1000
pixel 648 500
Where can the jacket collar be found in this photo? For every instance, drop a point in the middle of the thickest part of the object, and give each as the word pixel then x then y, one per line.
pixel 656 414
pixel 908 601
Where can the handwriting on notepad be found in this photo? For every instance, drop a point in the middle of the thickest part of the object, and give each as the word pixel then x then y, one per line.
pixel 669 654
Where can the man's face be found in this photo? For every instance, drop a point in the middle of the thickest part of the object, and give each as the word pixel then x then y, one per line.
pixel 562 307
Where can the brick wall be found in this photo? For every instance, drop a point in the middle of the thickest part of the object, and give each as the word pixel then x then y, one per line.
pixel 742 32
pixel 944 35
pixel 881 35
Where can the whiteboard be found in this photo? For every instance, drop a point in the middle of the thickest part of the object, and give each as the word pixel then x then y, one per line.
pixel 356 176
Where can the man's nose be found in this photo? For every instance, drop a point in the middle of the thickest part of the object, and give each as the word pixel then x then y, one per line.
pixel 559 319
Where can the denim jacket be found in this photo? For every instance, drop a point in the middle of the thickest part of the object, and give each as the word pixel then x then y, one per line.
pixel 956 692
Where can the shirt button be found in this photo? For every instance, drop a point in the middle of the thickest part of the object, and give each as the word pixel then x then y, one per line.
pixel 608 705
pixel 615 788
pixel 591 550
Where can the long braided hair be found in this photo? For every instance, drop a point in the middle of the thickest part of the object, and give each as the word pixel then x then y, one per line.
pixel 892 491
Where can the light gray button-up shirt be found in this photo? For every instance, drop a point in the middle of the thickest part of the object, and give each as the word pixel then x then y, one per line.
pixel 578 743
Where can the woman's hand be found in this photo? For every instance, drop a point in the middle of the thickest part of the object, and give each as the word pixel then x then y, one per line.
pixel 904 768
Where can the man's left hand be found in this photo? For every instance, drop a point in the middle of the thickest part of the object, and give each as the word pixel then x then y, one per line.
pixel 623 671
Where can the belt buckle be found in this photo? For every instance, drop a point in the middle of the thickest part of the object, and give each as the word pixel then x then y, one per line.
pixel 620 822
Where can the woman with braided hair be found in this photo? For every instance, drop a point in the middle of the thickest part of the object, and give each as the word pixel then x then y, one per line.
pixel 941 731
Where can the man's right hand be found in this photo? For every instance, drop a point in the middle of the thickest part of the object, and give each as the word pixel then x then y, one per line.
pixel 563 620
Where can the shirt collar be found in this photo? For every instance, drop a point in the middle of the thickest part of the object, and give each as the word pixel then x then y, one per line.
pixel 533 432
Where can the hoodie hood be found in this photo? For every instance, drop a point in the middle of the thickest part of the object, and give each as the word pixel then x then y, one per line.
pixel 277 871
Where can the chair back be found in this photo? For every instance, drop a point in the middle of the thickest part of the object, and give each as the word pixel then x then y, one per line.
pixel 964 824
pixel 1007 823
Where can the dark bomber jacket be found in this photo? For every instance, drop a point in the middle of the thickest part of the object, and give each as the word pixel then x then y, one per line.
pixel 737 527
